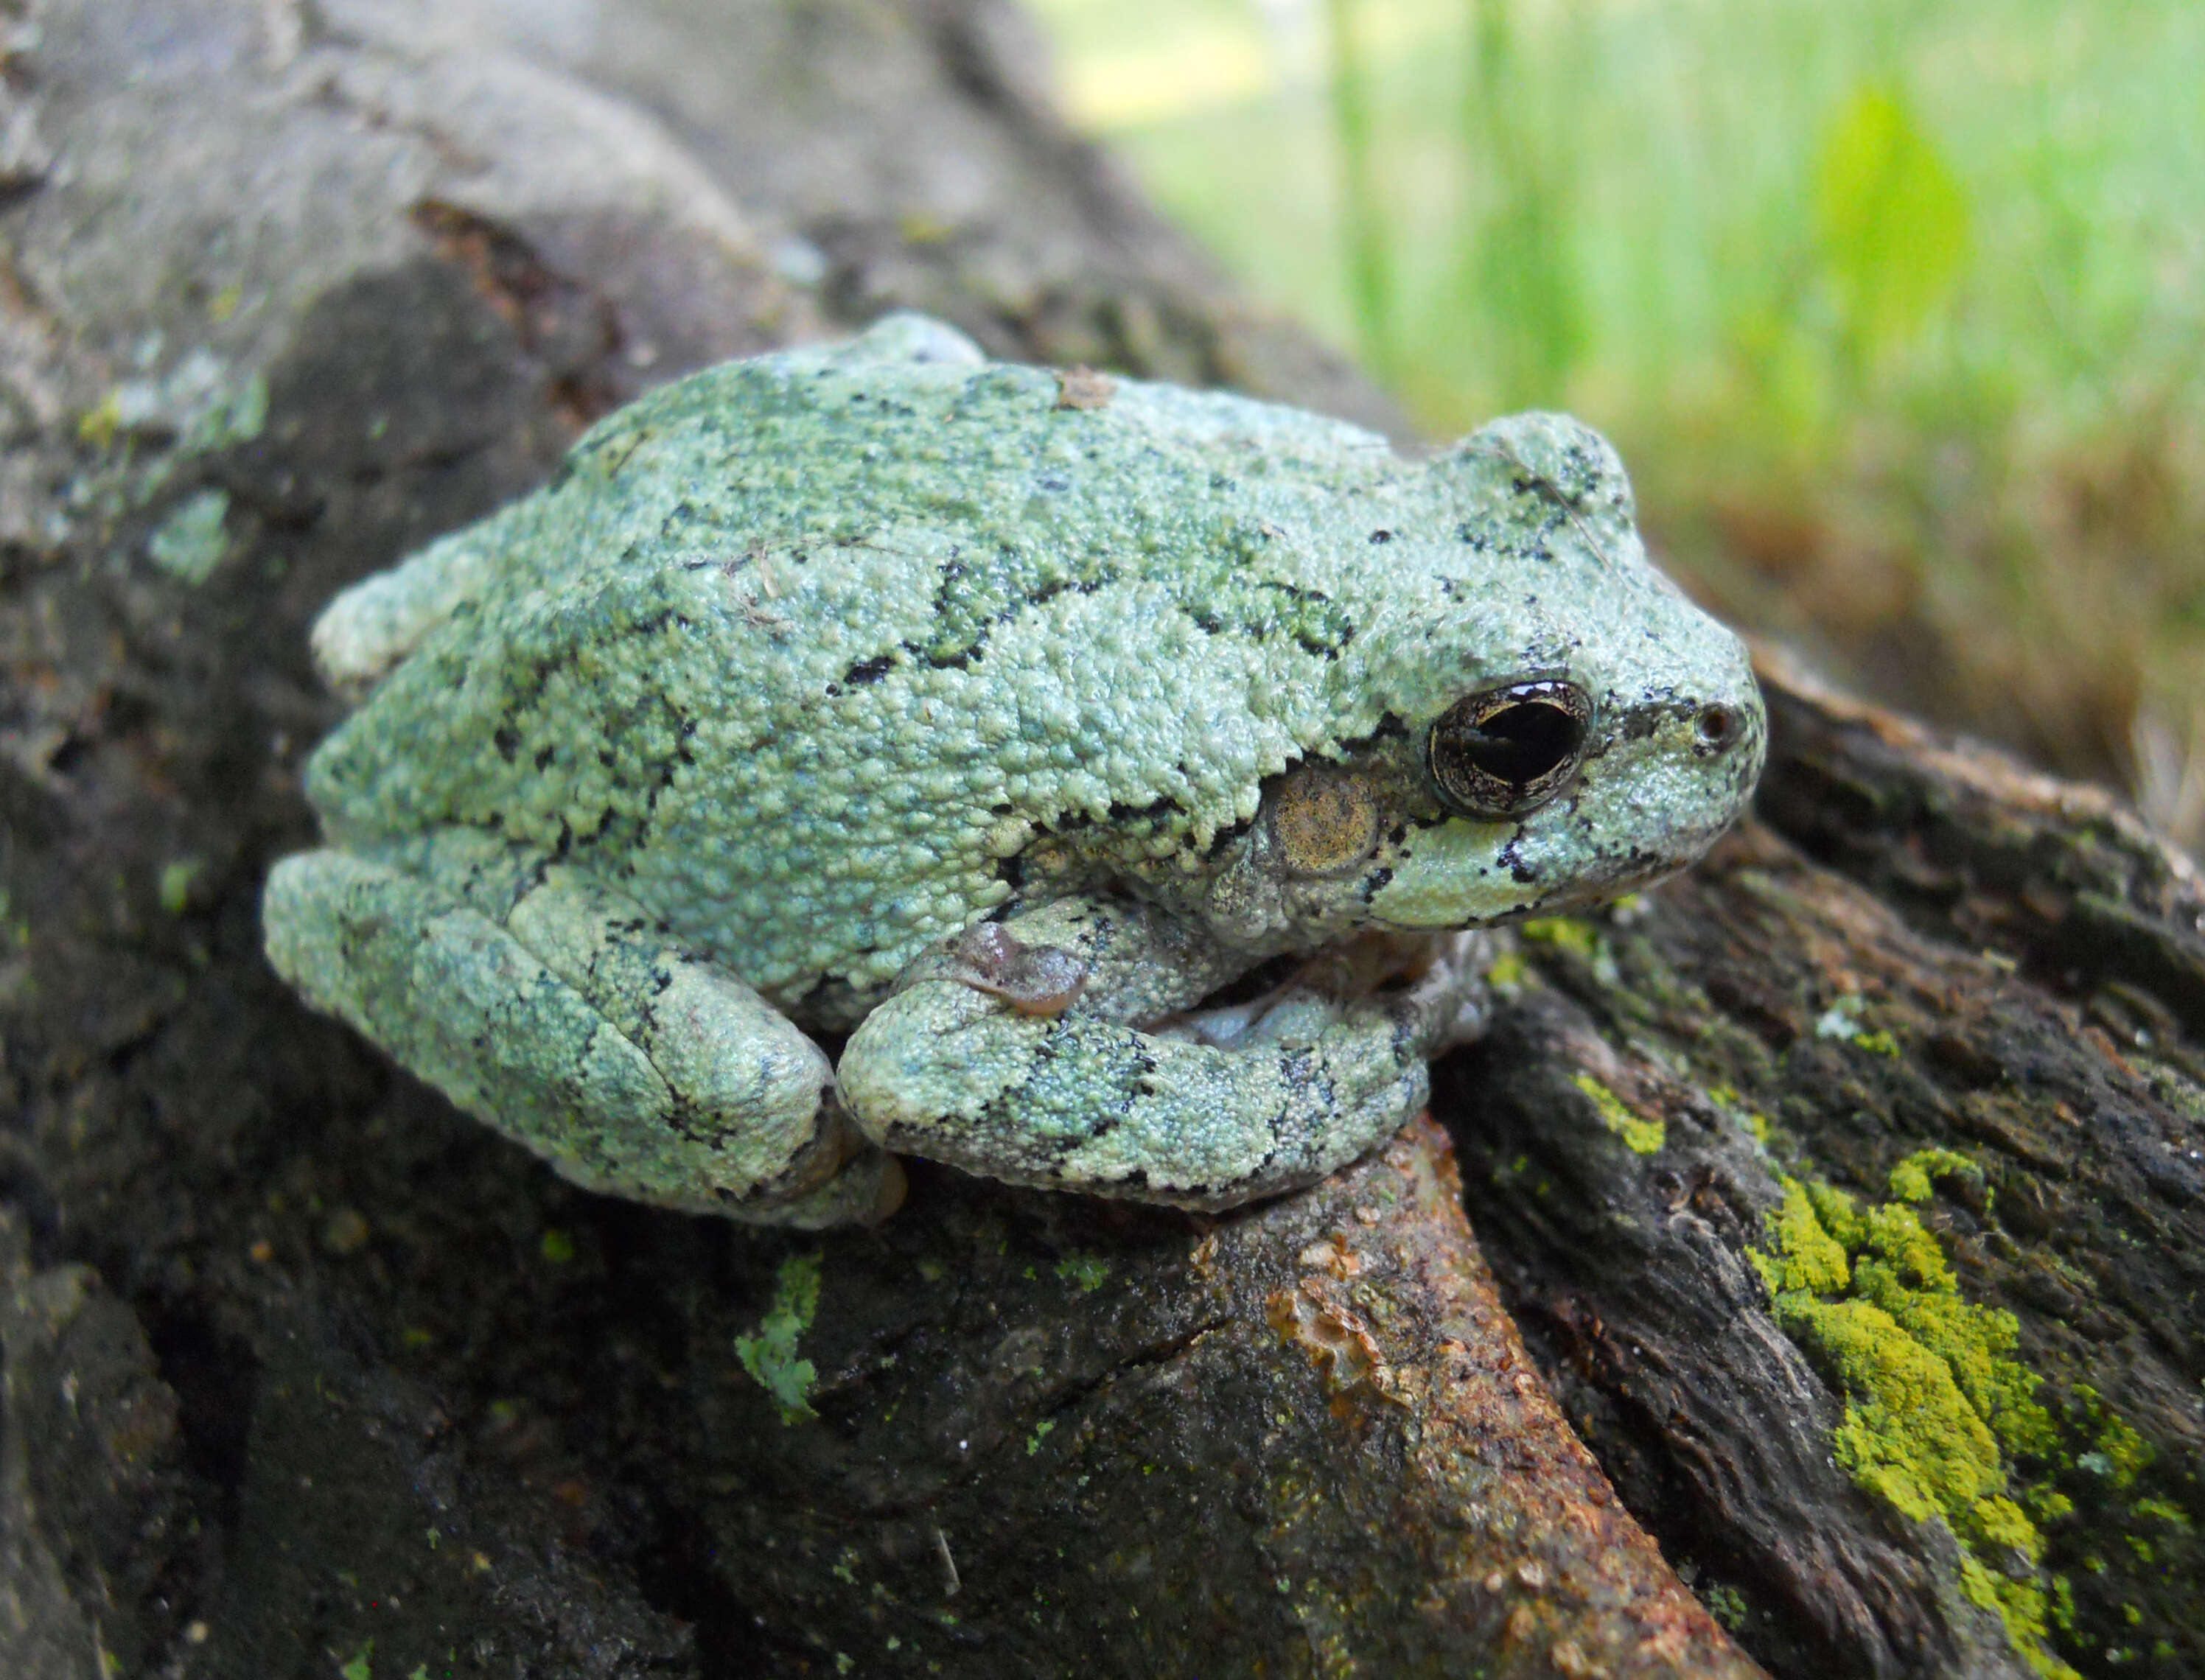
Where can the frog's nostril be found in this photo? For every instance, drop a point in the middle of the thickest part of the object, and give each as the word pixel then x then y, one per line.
pixel 1718 725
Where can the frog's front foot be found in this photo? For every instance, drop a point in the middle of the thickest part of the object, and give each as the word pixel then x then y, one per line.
pixel 1200 1110
pixel 1444 975
pixel 556 1012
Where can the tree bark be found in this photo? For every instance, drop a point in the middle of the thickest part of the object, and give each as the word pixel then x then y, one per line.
pixel 300 1372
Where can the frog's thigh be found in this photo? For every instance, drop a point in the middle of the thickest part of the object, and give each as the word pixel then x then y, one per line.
pixel 692 1092
pixel 1080 1102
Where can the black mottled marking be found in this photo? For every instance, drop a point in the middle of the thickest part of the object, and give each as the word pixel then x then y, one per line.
pixel 1298 1067
pixel 543 757
pixel 1524 873
pixel 1225 835
pixel 528 687
pixel 1373 883
pixel 869 670
pixel 1161 805
pixel 682 1120
pixel 1320 633
pixel 507 740
pixel 959 659
pixel 974 594
pixel 1382 536
pixel 1321 648
pixel 1389 727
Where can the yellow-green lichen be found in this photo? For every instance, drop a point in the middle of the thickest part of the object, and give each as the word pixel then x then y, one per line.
pixel 771 1355
pixel 1507 971
pixel 177 880
pixel 2125 1449
pixel 1914 1178
pixel 1806 1257
pixel 2117 1452
pixel 1639 1134
pixel 1576 938
pixel 2049 1503
pixel 2026 1609
pixel 1564 933
pixel 98 425
pixel 1904 1273
pixel 1934 1400
pixel 1840 1213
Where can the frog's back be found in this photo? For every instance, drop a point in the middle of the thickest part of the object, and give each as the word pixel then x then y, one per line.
pixel 803 652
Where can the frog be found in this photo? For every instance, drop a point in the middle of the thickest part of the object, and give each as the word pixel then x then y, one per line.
pixel 870 749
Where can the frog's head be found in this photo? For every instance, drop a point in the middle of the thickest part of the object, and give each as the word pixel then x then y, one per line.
pixel 1555 724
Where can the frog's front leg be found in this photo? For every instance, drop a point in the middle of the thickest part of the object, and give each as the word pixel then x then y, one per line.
pixel 1017 1053
pixel 556 1011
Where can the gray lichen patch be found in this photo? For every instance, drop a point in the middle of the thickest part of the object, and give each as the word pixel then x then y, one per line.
pixel 191 541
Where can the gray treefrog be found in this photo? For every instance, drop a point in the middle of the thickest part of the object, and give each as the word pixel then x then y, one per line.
pixel 1104 770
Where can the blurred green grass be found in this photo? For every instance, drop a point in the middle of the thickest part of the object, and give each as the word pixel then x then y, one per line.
pixel 1897 311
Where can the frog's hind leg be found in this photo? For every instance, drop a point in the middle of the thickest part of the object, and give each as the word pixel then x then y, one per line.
pixel 556 1012
pixel 1016 1053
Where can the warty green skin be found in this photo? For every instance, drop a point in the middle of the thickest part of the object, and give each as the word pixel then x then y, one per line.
pixel 972 711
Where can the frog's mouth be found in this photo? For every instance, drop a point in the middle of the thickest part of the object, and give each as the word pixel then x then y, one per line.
pixel 1295 999
pixel 1461 873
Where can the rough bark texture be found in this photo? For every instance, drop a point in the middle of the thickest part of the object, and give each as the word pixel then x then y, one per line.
pixel 300 1370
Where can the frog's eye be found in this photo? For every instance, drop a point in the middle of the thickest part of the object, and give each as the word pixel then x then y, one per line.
pixel 1507 751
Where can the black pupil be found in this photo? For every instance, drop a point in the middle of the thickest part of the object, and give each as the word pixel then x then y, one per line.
pixel 1521 743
